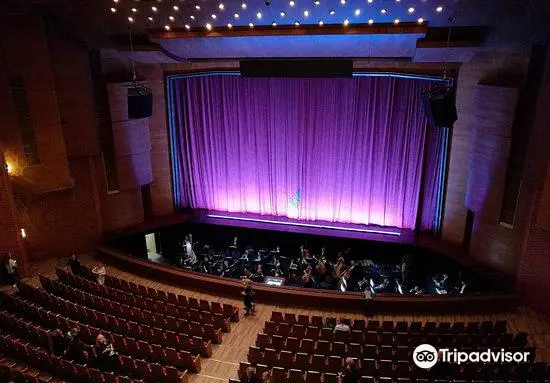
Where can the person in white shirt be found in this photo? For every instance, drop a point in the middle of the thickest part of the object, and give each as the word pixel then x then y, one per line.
pixel 11 269
pixel 99 271
pixel 341 327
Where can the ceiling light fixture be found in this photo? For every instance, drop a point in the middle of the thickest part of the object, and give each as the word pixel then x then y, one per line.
pixel 369 1
pixel 214 16
pixel 439 9
pixel 316 2
pixel 396 21
pixel 297 23
pixel 154 9
pixel 283 14
pixel 291 3
pixel 229 25
pixel 331 12
pixel 306 13
pixel 171 18
pixel 274 24
pixel 236 15
pixel 134 10
pixel 243 5
pixel 346 22
pixel 259 15
pixel 116 1
pixel 113 10
pixel 176 8
pixel 420 20
pixel 371 21
pixel 343 2
pixel 187 26
pixel 357 12
pixel 209 26
pixel 251 25
pixel 192 17
pixel 321 23
pixel 383 11
pixel 131 19
pixel 150 18
pixel 198 7
pixel 221 7
pixel 167 27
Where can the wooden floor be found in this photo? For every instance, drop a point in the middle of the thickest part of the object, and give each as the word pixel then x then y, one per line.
pixel 225 358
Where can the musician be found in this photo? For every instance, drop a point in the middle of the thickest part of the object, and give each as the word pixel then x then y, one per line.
pixel 248 297
pixel 307 280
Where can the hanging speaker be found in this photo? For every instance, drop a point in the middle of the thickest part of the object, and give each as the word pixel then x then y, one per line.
pixel 440 108
pixel 140 102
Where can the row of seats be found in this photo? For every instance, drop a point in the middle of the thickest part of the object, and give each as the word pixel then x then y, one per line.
pixel 284 331
pixel 10 373
pixel 56 320
pixel 105 321
pixel 42 360
pixel 143 317
pixel 157 295
pixel 145 309
pixel 381 367
pixel 355 350
pixel 125 346
pixel 485 327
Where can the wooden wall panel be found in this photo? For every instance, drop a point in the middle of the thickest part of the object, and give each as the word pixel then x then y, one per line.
pixel 492 120
pixel 543 217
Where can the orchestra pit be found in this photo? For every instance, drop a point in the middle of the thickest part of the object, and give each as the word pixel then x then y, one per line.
pixel 320 191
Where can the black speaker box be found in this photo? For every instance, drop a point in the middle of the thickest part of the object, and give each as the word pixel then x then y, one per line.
pixel 140 103
pixel 296 68
pixel 441 110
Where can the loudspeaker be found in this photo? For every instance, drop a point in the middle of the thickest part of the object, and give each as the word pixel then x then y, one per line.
pixel 140 102
pixel 440 109
pixel 296 68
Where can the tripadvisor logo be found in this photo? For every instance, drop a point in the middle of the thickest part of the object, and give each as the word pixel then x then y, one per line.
pixel 426 356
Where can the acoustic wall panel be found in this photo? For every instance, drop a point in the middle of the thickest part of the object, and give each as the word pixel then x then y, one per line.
pixel 492 121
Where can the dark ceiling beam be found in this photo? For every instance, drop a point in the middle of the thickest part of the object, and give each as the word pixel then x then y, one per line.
pixel 289 30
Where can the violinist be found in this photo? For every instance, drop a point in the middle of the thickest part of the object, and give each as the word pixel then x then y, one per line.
pixel 307 279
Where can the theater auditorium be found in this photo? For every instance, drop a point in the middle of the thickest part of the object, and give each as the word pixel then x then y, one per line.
pixel 290 191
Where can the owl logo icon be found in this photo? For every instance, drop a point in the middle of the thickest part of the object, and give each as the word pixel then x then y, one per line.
pixel 425 356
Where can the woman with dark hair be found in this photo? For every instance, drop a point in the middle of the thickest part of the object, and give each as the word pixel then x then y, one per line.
pixel 74 264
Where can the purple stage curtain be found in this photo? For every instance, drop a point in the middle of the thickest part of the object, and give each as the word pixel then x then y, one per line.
pixel 338 149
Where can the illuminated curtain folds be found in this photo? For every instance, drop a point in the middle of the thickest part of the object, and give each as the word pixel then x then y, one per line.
pixel 338 149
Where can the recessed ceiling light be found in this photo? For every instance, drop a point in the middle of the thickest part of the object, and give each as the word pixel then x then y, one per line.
pixel 259 15
pixel 116 1
pixel 134 10
pixel 167 27
pixel 171 18
pixel 187 26
pixel 297 23
pixel 396 21
pixel 192 17
pixel 283 14
pixel 369 1
pixel 131 19
pixel 420 20
pixel 371 21
pixel 411 9
pixel 208 26
pixel 397 1
pixel 274 24
pixel 306 13
pixel 154 9
pixel 316 2
pixel 113 10
pixel 243 5
pixel 221 6
pixel 251 25
pixel 357 12
pixel 236 15
pixel 343 2
pixel 214 16
pixel 291 3
pixel 346 22
pixel 229 25
pixel 321 23
pixel 198 7
pixel 383 11
pixel 150 18
pixel 331 12
pixel 439 9
pixel 176 8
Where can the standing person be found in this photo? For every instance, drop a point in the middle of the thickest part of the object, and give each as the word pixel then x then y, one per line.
pixel 99 271
pixel 74 264
pixel 76 350
pixel 351 372
pixel 248 296
pixel 11 270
